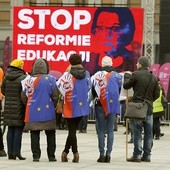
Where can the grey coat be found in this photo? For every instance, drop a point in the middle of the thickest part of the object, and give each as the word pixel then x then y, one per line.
pixel 40 68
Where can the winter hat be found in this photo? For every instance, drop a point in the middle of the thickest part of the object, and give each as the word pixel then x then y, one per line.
pixel 75 59
pixel 107 61
pixel 39 67
pixel 144 61
pixel 17 63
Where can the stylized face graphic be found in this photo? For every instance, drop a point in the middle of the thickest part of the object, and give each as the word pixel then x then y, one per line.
pixel 101 81
pixel 67 86
pixel 112 32
pixel 107 31
pixel 30 86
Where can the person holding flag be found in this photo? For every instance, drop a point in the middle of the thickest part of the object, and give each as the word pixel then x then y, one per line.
pixel 106 86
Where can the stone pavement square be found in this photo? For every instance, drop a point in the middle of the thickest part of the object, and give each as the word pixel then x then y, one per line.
pixel 88 150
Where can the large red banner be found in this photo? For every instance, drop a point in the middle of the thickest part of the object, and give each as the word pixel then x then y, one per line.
pixel 54 33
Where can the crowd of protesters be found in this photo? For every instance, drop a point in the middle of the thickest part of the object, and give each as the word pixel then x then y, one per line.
pixel 33 99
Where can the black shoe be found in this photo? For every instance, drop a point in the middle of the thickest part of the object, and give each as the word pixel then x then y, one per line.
pixel 125 132
pixel 161 134
pixel 82 131
pixel 3 153
pixel 133 159
pixel 101 159
pixel 12 157
pixel 36 160
pixel 130 141
pixel 52 160
pixel 107 159
pixel 19 157
pixel 143 159
pixel 157 138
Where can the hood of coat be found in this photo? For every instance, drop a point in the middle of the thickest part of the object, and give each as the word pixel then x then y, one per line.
pixel 12 73
pixel 78 71
pixel 39 67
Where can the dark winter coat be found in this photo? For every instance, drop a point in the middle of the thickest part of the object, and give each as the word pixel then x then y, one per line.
pixel 14 110
pixel 78 72
pixel 139 81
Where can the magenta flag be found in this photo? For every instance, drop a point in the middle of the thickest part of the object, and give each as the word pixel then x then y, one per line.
pixel 155 69
pixel 164 76
pixel 6 58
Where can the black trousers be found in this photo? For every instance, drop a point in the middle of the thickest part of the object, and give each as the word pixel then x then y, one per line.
pixel 51 144
pixel 156 126
pixel 1 135
pixel 1 140
pixel 71 141
pixel 83 123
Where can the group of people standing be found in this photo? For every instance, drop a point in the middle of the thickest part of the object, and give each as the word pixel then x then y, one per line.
pixel 31 100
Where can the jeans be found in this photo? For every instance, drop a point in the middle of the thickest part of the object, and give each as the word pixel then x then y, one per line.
pixel 14 140
pixel 105 124
pixel 51 144
pixel 71 141
pixel 137 127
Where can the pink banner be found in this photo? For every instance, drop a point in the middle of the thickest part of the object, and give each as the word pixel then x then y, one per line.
pixel 155 69
pixel 164 76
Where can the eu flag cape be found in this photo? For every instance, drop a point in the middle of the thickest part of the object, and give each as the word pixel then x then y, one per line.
pixel 76 94
pixel 40 106
pixel 106 85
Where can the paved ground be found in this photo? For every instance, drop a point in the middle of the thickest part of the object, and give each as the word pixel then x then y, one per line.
pixel 89 153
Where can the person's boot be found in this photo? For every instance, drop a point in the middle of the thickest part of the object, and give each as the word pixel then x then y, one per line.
pixel 2 153
pixel 19 156
pixel 102 158
pixel 64 157
pixel 76 157
pixel 107 158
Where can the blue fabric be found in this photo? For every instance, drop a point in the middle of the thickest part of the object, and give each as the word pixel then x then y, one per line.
pixel 76 94
pixel 40 106
pixel 113 85
pixel 80 103
pixel 107 87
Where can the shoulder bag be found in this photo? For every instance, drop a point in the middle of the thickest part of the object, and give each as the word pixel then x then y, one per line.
pixel 137 110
